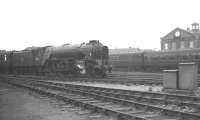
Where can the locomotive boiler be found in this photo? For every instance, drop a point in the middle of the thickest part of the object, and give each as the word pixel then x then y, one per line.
pixel 88 59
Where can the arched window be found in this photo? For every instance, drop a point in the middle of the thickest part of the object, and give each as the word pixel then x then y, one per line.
pixel 173 46
pixel 191 44
pixel 182 46
pixel 166 47
pixel 5 57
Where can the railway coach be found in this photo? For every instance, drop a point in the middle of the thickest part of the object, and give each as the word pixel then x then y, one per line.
pixel 127 61
pixel 153 61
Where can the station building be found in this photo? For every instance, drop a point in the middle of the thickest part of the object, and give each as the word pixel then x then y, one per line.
pixel 179 39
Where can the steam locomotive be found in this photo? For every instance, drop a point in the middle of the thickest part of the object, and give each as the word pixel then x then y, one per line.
pixel 87 59
pixel 153 61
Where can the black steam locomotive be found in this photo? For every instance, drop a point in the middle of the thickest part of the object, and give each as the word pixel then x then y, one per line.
pixel 153 61
pixel 89 59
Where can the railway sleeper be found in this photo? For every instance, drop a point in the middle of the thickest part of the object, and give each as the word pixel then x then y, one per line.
pixel 106 110
pixel 165 103
pixel 173 111
pixel 149 99
pixel 104 99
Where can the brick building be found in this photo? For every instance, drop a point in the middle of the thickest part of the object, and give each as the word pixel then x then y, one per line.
pixel 179 39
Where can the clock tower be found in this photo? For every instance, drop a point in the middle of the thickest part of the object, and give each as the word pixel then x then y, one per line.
pixel 195 27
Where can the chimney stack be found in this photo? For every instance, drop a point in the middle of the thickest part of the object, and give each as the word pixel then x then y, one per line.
pixel 195 27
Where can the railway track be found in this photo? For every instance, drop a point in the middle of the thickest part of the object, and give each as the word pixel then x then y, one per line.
pixel 139 77
pixel 138 80
pixel 121 78
pixel 123 104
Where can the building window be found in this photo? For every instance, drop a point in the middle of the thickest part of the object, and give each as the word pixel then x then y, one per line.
pixel 182 45
pixel 177 33
pixel 166 46
pixel 173 46
pixel 191 44
pixel 5 57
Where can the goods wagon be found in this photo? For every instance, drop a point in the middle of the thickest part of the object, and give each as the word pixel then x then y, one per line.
pixel 127 62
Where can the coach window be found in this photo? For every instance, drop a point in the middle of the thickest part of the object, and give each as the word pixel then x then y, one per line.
pixel 197 57
pixel 5 57
pixel 185 57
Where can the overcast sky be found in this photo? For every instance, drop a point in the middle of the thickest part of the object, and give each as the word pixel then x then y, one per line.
pixel 116 23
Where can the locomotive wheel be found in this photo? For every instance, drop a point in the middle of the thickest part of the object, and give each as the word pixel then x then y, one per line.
pixel 61 68
pixel 99 72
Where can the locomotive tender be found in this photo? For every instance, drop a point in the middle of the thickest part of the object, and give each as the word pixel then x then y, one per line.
pixel 153 61
pixel 88 59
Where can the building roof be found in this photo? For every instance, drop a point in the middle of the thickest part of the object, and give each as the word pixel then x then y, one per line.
pixel 184 34
pixel 193 33
pixel 195 23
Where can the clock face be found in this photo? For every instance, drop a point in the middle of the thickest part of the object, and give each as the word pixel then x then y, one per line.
pixel 177 33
